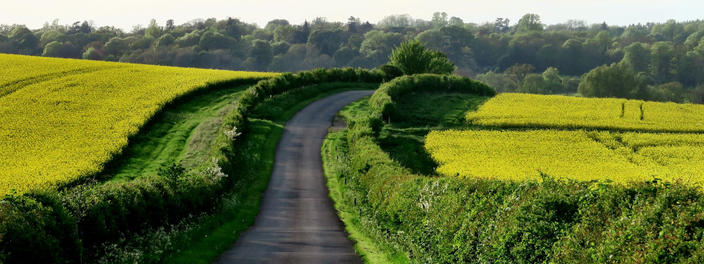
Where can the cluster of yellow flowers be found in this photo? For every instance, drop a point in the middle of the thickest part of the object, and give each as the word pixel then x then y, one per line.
pixel 62 119
pixel 555 111
pixel 579 155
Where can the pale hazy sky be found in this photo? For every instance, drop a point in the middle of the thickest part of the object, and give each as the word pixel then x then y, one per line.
pixel 127 13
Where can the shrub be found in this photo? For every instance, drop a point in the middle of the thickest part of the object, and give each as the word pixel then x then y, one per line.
pixel 413 58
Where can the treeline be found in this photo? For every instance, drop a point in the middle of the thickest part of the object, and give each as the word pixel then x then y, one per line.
pixel 662 61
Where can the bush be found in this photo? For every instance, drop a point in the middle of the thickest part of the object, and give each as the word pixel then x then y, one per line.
pixel 413 58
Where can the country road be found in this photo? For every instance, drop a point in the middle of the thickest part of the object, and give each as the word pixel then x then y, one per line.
pixel 297 222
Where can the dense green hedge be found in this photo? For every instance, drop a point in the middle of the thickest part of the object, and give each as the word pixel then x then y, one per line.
pixel 453 220
pixel 70 226
pixel 384 100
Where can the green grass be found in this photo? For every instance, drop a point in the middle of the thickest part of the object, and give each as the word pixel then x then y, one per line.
pixel 180 133
pixel 220 231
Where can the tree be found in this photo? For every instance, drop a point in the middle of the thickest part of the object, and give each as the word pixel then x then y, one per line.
pixel 326 41
pixel 273 24
pixel 615 80
pixel 285 33
pixel 499 81
pixel 92 54
pixel 214 40
pixel 571 54
pixel 667 92
pixel 79 27
pixel 25 40
pixel 344 55
pixel 533 83
pixel 169 25
pixel 697 95
pixel 502 25
pixel 518 72
pixel 552 81
pixel 153 30
pixel 260 55
pixel 439 20
pixel 637 55
pixel 53 49
pixel 165 40
pixel 234 28
pixel 280 47
pixel 530 22
pixel 662 60
pixel 377 45
pixel 456 21
pixel 190 39
pixel 413 58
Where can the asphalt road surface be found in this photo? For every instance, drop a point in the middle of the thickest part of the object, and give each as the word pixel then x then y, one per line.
pixel 297 222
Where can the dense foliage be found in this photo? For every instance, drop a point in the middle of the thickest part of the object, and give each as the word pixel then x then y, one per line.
pixel 509 57
pixel 412 57
pixel 70 225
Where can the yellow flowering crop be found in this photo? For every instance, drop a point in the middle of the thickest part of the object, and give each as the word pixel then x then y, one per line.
pixel 62 119
pixel 580 155
pixel 524 155
pixel 554 111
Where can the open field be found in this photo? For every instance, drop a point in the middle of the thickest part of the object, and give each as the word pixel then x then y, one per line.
pixel 577 155
pixel 555 111
pixel 63 119
pixel 583 139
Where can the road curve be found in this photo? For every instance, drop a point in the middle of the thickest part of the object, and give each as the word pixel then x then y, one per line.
pixel 297 222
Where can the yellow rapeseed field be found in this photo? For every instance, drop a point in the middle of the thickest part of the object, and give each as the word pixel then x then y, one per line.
pixel 62 119
pixel 524 155
pixel 620 157
pixel 611 139
pixel 554 111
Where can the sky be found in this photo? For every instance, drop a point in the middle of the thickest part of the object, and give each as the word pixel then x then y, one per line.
pixel 127 13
